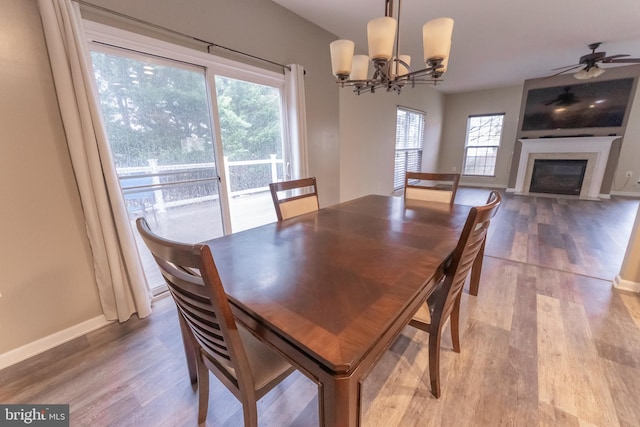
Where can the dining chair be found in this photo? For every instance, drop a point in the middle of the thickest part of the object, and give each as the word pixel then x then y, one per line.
pixel 300 197
pixel 444 302
pixel 434 187
pixel 245 365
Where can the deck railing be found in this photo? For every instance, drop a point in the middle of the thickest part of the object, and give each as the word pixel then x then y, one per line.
pixel 159 187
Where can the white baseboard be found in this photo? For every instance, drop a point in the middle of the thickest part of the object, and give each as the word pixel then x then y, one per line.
pixel 46 343
pixel 604 196
pixel 511 190
pixel 633 194
pixel 626 285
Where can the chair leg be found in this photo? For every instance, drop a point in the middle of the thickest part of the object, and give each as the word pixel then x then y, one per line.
pixel 203 391
pixel 190 352
pixel 250 412
pixel 434 361
pixel 455 324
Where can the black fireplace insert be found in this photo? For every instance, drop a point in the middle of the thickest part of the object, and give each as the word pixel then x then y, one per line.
pixel 558 176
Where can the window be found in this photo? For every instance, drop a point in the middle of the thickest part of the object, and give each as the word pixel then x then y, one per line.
pixel 409 141
pixel 481 148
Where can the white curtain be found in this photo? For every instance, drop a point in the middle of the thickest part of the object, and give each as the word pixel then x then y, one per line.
pixel 121 282
pixel 297 120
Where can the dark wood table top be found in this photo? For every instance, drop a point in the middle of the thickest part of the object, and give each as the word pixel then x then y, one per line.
pixel 332 282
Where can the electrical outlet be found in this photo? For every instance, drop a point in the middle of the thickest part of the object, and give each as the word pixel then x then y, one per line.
pixel 454 169
pixel 629 174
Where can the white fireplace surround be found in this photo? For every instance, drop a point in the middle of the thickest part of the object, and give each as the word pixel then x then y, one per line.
pixel 594 149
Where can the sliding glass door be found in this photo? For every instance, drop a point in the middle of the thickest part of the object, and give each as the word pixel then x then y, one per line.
pixel 251 131
pixel 158 124
pixel 195 140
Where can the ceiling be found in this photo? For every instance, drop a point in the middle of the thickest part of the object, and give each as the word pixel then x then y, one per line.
pixel 496 43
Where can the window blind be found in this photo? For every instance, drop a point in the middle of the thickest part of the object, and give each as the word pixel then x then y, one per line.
pixel 409 142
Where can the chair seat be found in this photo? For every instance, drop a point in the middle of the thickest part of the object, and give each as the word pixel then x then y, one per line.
pixel 266 364
pixel 423 314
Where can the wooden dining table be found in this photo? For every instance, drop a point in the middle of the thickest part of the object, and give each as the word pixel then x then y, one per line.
pixel 331 290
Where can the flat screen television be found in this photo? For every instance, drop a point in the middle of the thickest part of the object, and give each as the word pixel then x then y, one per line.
pixel 578 106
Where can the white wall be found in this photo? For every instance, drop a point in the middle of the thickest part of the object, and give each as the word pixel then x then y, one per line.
pixel 47 280
pixel 368 132
pixel 458 107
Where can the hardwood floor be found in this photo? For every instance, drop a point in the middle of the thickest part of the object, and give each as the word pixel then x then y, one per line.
pixel 547 342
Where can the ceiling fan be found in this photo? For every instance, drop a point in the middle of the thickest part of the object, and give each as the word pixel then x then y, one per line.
pixel 588 64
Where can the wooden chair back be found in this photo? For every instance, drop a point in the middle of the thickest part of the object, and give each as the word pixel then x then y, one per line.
pixel 301 196
pixel 218 345
pixel 434 187
pixel 471 240
pixel 444 303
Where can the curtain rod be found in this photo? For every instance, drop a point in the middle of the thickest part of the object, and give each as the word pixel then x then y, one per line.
pixel 188 36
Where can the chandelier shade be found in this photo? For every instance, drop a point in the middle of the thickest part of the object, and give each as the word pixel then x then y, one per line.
pixel 391 70
pixel 381 34
pixel 436 38
pixel 359 67
pixel 341 57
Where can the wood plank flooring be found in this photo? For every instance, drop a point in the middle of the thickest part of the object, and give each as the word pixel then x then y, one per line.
pixel 547 342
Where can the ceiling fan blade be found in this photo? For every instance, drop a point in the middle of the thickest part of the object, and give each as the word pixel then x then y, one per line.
pixel 612 57
pixel 573 67
pixel 624 61
pixel 566 66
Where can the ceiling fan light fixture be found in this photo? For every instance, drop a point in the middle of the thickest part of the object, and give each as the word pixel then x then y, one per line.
pixel 591 73
pixel 582 75
pixel 595 71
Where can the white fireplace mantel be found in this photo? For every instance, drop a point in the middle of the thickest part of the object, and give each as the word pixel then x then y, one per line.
pixel 594 149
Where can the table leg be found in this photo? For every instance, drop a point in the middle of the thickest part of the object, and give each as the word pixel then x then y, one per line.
pixel 476 270
pixel 339 402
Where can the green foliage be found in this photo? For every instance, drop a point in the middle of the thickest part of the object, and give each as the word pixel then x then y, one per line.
pixel 249 119
pixel 159 112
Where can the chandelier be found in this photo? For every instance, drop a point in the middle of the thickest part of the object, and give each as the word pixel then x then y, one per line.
pixel 391 70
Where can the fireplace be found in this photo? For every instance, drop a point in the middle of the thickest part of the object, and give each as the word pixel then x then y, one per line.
pixel 558 176
pixel 594 149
